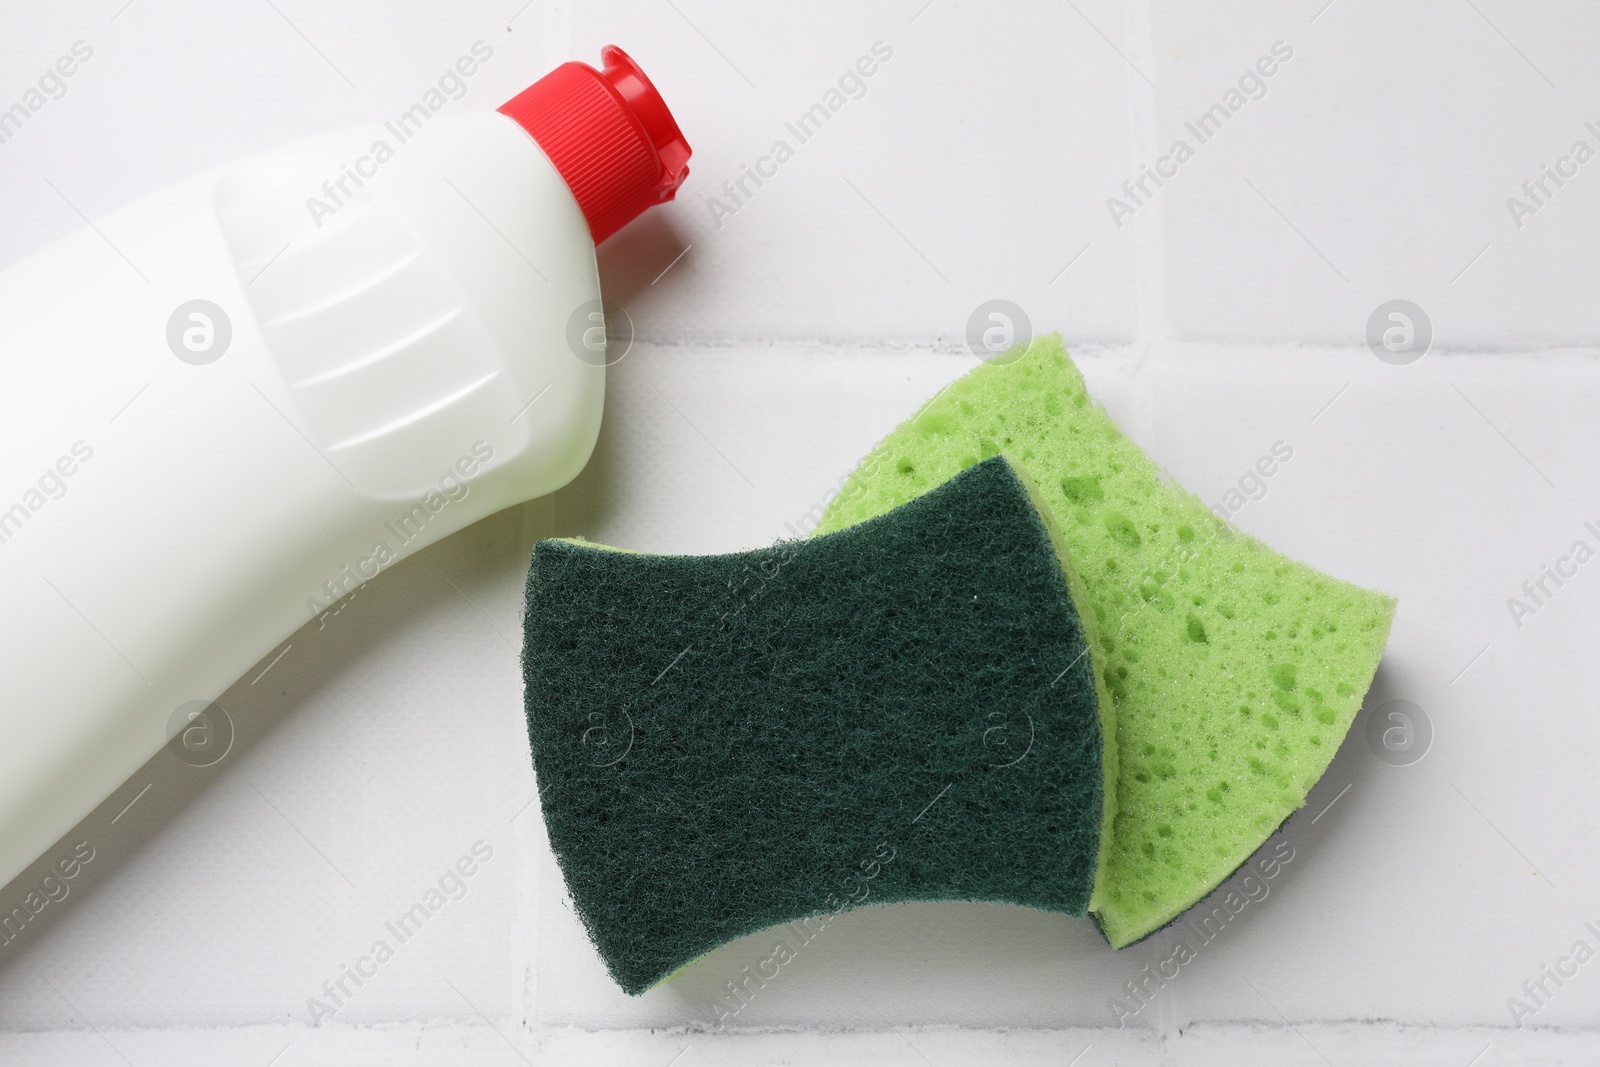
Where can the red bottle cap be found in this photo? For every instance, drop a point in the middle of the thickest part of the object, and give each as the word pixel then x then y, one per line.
pixel 610 135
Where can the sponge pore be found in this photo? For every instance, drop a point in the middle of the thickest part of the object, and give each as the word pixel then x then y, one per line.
pixel 1233 670
pixel 906 710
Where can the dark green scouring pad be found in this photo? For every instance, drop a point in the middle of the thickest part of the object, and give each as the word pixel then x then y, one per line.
pixel 909 709
pixel 1235 671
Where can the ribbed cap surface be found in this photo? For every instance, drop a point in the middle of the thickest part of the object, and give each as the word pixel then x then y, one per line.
pixel 610 135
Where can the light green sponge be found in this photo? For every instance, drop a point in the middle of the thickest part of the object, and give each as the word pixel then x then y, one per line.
pixel 1235 671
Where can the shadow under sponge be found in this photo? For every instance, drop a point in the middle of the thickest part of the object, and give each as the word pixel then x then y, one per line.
pixel 907 709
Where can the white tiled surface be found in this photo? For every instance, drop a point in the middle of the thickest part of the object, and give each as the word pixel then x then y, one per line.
pixel 1378 164
pixel 1228 314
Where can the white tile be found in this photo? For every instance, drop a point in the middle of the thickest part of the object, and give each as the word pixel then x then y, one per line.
pixel 402 743
pixel 977 164
pixel 435 1045
pixel 1376 165
pixel 968 170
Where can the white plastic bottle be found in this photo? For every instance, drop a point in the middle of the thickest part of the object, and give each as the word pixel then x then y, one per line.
pixel 224 407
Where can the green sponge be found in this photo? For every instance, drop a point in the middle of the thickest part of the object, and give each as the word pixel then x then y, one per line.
pixel 905 710
pixel 1235 672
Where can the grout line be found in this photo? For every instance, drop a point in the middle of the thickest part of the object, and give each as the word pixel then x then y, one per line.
pixel 888 1022
pixel 1093 347
pixel 86 1019
pixel 1286 1021
pixel 479 1013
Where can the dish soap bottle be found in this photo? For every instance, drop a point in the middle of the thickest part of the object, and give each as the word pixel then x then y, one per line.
pixel 228 405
